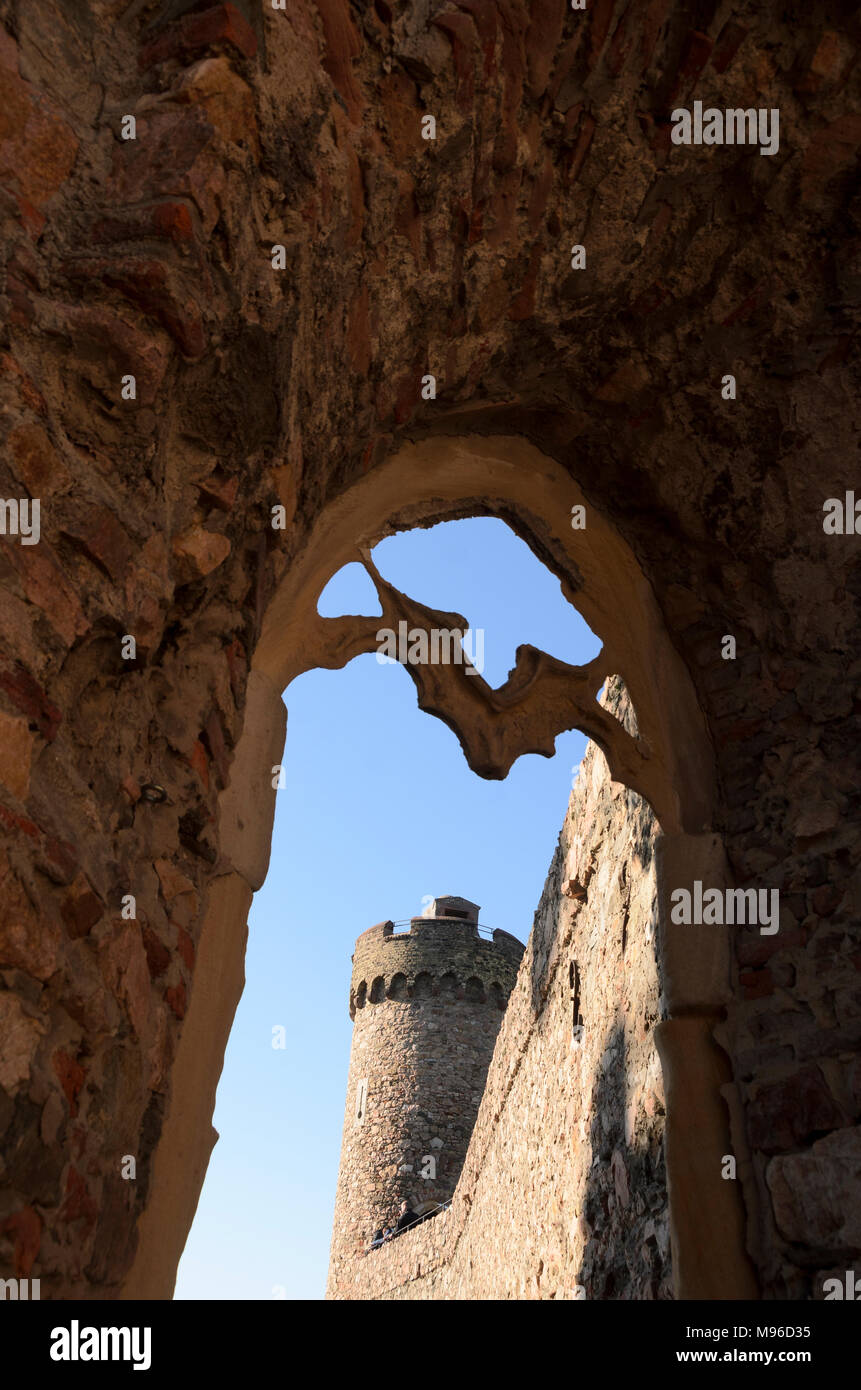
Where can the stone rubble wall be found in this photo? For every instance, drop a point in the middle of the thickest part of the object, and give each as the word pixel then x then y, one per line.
pixel 257 387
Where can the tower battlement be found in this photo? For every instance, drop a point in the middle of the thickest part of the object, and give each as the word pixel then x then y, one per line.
pixel 436 957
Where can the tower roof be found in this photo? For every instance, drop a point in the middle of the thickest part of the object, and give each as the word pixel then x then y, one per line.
pixel 450 906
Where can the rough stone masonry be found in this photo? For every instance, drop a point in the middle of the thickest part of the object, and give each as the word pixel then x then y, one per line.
pixel 426 1006
pixel 295 394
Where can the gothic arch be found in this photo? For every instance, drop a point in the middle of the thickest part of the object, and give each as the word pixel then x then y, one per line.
pixel 670 762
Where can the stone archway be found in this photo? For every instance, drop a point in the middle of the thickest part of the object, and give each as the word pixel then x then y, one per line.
pixel 152 259
pixel 670 764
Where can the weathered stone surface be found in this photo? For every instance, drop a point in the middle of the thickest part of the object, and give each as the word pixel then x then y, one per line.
pixel 81 907
pixel 426 1009
pixel 27 940
pixel 816 1193
pixel 201 551
pixel 16 751
pixel 21 1033
pixel 153 258
pixel 785 1112
pixel 248 802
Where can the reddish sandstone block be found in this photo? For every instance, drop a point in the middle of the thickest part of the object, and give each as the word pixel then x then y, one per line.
pixel 755 951
pixel 185 947
pixel 124 968
pixel 782 1114
pixel 46 586
pixel 27 695
pixel 145 354
pixel 28 941
pixel 829 63
pixel 501 219
pixel 200 762
pixel 150 285
pixel 70 1075
pixel 22 312
pixel 25 1228
pixel 343 44
pixel 58 859
pixel 651 299
pixel 148 589
pixel 177 998
pixel 9 368
pixel 226 99
pixel 220 492
pixel 11 821
pixel 82 907
pixel 213 735
pixel 101 537
pixel 199 552
pixel 157 954
pixel 16 751
pixel 78 1204
pixel 172 881
pixel 36 462
pixel 173 220
pixel 175 155
pixel 37 148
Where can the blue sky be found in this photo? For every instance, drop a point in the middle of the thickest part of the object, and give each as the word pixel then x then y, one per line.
pixel 380 809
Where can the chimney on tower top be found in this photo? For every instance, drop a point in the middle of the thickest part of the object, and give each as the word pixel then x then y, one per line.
pixel 449 906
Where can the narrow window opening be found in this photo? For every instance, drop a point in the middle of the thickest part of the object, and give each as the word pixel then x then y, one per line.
pixel 361 1101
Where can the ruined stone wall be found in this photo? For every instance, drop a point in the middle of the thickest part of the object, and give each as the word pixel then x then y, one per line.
pixel 564 1182
pixel 257 387
pixel 426 1007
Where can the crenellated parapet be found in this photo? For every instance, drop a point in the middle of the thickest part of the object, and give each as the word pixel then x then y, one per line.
pixel 442 958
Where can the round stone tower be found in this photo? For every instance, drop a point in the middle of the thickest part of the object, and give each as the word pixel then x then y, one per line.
pixel 426 1004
